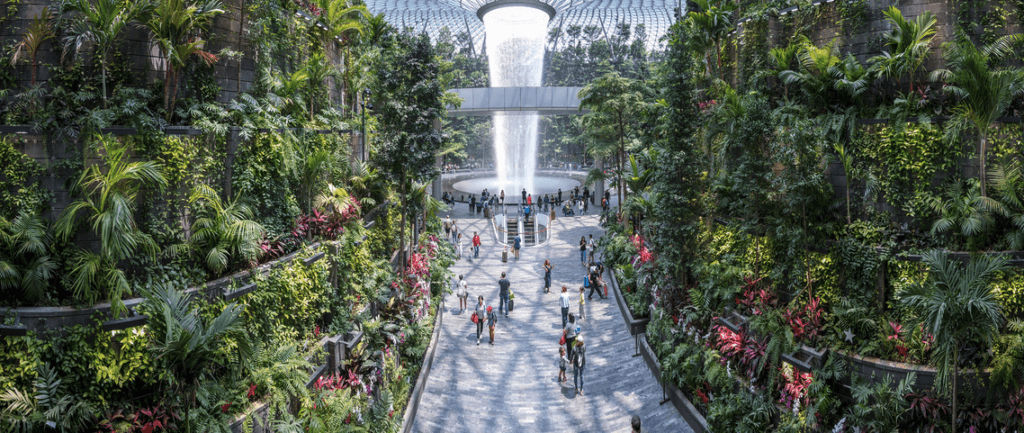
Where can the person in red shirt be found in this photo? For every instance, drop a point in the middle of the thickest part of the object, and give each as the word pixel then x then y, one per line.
pixel 476 245
pixel 529 199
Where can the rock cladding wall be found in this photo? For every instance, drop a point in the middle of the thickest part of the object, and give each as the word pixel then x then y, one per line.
pixel 228 31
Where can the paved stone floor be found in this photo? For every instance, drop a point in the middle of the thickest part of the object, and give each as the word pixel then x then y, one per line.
pixel 512 386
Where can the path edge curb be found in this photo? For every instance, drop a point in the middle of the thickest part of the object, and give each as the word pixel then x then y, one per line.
pixel 421 383
pixel 682 404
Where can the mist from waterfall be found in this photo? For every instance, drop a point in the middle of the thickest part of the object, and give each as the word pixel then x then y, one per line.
pixel 515 50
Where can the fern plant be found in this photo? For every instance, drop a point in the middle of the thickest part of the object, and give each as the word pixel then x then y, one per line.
pixel 46 406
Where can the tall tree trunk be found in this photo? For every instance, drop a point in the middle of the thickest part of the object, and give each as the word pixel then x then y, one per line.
pixel 982 130
pixel 401 242
pixel 956 359
pixel 103 78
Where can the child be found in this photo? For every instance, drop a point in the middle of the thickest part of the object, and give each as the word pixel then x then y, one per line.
pixel 492 319
pixel 562 361
pixel 463 293
pixel 582 301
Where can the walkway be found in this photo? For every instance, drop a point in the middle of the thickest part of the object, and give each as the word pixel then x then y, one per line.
pixel 512 386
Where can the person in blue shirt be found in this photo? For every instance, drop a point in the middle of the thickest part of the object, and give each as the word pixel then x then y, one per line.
pixel 526 214
pixel 515 246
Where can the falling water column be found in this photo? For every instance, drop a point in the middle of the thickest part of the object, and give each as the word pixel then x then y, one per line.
pixel 515 50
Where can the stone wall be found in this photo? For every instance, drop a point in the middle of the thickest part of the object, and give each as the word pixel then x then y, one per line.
pixel 229 30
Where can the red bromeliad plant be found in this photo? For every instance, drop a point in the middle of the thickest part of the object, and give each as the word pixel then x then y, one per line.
pixel 755 299
pixel 806 323
pixel 144 420
pixel 794 388
pixel 925 409
pixel 730 344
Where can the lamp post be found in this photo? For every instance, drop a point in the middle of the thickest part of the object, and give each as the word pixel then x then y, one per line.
pixel 362 137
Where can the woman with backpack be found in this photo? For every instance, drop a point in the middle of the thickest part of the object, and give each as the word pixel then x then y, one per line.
pixel 481 315
pixel 579 360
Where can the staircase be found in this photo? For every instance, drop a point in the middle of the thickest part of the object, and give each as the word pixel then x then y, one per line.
pixel 529 237
pixel 512 226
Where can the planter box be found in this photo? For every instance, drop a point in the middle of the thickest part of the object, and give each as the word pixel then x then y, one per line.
pixel 182 130
pixel 673 393
pixel 409 417
pixel 873 370
pixel 636 326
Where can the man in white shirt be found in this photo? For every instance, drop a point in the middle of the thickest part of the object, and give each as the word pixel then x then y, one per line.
pixel 564 300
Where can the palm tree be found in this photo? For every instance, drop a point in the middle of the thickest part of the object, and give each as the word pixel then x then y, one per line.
pixel 709 25
pixel 965 209
pixel 984 91
pixel 335 200
pixel 1008 178
pixel 908 45
pixel 958 306
pixel 193 352
pixel 38 32
pixel 99 24
pixel 781 58
pixel 109 192
pixel 25 262
pixel 176 26
pixel 342 19
pixel 615 104
pixel 818 74
pixel 315 164
pixel 224 231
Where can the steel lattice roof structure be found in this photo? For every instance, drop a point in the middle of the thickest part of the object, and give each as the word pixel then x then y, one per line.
pixel 460 16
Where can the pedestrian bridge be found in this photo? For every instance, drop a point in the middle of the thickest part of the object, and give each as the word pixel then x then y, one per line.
pixel 485 101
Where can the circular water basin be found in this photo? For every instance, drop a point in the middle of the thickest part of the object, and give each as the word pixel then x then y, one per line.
pixel 541 184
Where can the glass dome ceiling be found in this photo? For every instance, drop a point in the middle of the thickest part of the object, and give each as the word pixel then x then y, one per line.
pixel 459 16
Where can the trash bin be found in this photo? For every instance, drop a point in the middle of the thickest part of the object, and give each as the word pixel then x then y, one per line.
pixel 504 255
pixel 552 214
pixel 487 212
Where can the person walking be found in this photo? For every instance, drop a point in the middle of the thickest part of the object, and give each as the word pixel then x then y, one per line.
pixel 455 231
pixel 502 197
pixel 634 422
pixel 476 245
pixel 596 283
pixel 472 203
pixel 529 199
pixel 524 195
pixel 583 251
pixel 503 286
pixel 586 193
pixel 448 227
pixel 492 320
pixel 547 275
pixel 559 196
pixel 481 316
pixel 581 206
pixel 593 248
pixel 462 291
pixel 516 243
pixel 572 330
pixel 582 301
pixel 579 360
pixel 458 246
pixel 564 302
